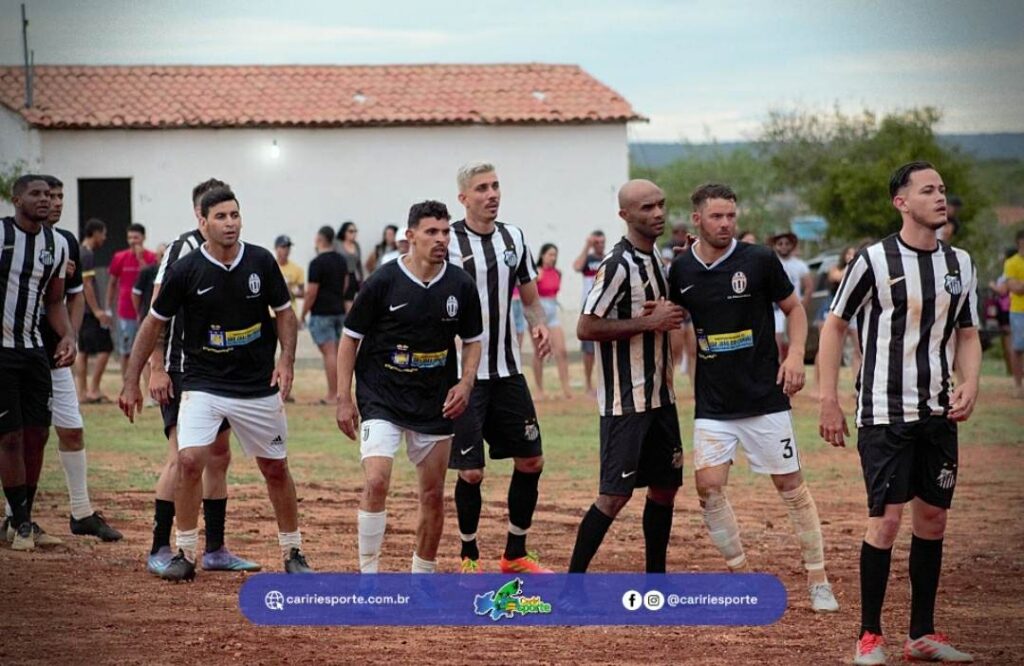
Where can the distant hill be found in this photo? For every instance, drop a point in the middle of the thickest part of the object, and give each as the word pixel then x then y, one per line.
pixel 1006 146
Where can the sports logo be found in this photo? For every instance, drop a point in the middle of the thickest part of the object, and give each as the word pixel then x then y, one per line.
pixel 254 283
pixel 531 431
pixel 510 257
pixel 46 257
pixel 739 282
pixel 946 478
pixel 953 285
pixel 508 600
pixel 452 306
pixel 366 433
pixel 677 459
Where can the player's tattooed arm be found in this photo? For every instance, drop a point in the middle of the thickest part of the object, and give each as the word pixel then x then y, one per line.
pixel 130 399
pixel 287 334
pixel 534 314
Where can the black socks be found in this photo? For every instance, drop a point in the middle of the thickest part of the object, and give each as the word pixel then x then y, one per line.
pixel 468 504
pixel 874 578
pixel 214 511
pixel 925 565
pixel 588 539
pixel 657 528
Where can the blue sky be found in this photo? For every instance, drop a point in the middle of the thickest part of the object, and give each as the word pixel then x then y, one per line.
pixel 697 69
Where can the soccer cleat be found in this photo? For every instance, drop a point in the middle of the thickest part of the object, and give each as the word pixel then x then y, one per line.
pixel 42 538
pixel 470 566
pixel 296 563
pixel 158 561
pixel 24 538
pixel 223 559
pixel 179 569
pixel 95 525
pixel 527 564
pixel 822 599
pixel 933 647
pixel 868 651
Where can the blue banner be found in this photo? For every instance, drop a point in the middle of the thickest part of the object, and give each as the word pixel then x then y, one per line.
pixel 512 600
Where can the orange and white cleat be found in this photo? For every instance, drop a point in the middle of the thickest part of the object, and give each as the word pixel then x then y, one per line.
pixel 869 650
pixel 527 564
pixel 934 647
pixel 470 566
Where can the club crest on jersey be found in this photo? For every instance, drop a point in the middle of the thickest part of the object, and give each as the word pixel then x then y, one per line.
pixel 254 283
pixel 452 306
pixel 953 285
pixel 739 282
pixel 46 257
pixel 510 257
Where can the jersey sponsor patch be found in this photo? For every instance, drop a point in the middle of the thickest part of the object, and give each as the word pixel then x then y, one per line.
pixel 404 360
pixel 725 342
pixel 220 338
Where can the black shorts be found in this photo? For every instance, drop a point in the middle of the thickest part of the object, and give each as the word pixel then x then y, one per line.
pixel 93 338
pixel 170 410
pixel 902 461
pixel 501 412
pixel 25 390
pixel 642 449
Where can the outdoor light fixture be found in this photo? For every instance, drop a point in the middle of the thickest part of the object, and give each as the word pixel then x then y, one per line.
pixel 275 150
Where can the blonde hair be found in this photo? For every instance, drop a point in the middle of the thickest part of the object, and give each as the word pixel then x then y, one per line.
pixel 469 170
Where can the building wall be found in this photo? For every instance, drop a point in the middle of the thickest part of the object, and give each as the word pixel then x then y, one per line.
pixel 18 143
pixel 559 183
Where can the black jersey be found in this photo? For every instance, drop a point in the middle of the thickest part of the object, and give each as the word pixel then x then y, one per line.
pixel 72 285
pixel 407 361
pixel 229 335
pixel 731 305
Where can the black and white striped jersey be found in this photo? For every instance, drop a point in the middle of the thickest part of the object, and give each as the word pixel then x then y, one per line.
pixel 908 303
pixel 28 262
pixel 634 373
pixel 498 263
pixel 174 358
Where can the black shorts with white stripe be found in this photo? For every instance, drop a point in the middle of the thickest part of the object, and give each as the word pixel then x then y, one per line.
pixel 902 461
pixel 501 412
pixel 25 390
pixel 639 450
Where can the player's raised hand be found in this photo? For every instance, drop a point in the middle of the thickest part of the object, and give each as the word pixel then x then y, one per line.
pixel 541 340
pixel 282 378
pixel 663 315
pixel 347 416
pixel 679 249
pixel 130 400
pixel 456 401
pixel 832 422
pixel 791 375
pixel 962 402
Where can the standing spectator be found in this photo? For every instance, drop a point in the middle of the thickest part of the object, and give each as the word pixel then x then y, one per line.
pixel 401 247
pixel 747 237
pixel 549 282
pixel 1013 271
pixel 952 226
pixel 94 337
pixel 124 270
pixel 784 243
pixel 587 263
pixel 683 341
pixel 835 278
pixel 678 240
pixel 518 318
pixel 387 245
pixel 345 244
pixel 1000 307
pixel 326 291
pixel 142 296
pixel 291 271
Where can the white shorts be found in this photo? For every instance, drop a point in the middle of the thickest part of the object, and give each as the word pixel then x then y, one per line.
pixel 64 406
pixel 260 424
pixel 383 438
pixel 767 441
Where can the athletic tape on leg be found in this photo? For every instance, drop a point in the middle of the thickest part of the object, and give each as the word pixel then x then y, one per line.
pixel 723 529
pixel 803 514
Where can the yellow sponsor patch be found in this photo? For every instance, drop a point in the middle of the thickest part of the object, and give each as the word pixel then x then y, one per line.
pixel 726 342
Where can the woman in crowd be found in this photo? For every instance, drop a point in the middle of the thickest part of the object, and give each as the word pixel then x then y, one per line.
pixel 345 244
pixel 388 243
pixel 549 281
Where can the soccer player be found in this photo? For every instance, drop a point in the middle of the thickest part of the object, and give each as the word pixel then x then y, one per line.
pixel 916 304
pixel 587 263
pixel 628 315
pixel 94 335
pixel 403 325
pixel 66 415
pixel 167 366
pixel 124 270
pixel 223 292
pixel 500 410
pixel 742 392
pixel 33 261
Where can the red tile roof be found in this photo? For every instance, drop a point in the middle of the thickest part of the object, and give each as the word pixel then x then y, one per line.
pixel 144 97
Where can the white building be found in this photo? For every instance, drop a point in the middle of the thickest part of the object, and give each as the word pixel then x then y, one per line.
pixel 307 146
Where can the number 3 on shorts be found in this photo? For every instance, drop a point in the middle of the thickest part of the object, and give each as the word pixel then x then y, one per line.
pixel 787 448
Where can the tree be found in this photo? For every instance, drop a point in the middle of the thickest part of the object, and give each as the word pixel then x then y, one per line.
pixel 8 174
pixel 839 165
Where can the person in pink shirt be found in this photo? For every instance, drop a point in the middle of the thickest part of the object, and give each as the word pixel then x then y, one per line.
pixel 549 281
pixel 123 271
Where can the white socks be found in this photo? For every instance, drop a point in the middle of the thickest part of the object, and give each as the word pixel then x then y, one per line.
pixel 188 542
pixel 289 540
pixel 371 538
pixel 73 463
pixel 421 566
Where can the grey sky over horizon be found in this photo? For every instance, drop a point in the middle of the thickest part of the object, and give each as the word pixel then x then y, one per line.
pixel 698 69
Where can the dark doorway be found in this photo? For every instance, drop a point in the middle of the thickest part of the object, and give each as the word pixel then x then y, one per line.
pixel 109 199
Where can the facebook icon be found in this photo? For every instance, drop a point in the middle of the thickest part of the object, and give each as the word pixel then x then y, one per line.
pixel 632 600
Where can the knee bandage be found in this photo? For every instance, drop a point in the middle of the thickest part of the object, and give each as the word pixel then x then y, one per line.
pixel 803 514
pixel 723 529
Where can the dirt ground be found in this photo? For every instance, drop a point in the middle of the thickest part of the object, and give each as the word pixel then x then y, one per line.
pixel 88 602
